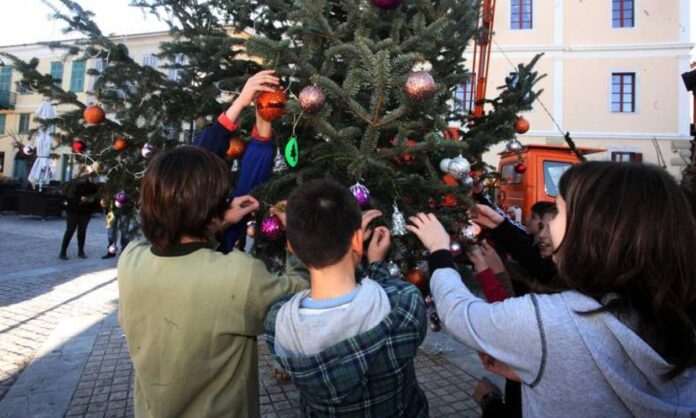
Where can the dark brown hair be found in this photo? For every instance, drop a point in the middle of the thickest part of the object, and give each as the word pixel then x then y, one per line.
pixel 630 232
pixel 322 218
pixel 183 191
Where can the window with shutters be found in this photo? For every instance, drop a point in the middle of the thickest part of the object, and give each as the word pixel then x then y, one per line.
pixel 77 76
pixel 57 73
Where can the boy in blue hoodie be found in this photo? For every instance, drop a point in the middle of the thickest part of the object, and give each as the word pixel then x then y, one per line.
pixel 348 346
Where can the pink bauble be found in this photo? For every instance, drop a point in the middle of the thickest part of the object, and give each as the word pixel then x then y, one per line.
pixel 361 193
pixel 121 197
pixel 387 4
pixel 272 228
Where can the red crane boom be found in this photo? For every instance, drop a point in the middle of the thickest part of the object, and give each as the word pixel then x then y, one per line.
pixel 482 57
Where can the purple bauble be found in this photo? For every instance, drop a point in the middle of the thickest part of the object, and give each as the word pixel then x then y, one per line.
pixel 148 150
pixel 420 86
pixel 271 228
pixel 311 99
pixel 121 197
pixel 387 4
pixel 361 193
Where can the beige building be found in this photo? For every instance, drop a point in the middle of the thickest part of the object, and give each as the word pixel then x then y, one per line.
pixel 613 74
pixel 17 108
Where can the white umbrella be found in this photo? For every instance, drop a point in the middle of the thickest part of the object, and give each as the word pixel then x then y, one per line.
pixel 43 170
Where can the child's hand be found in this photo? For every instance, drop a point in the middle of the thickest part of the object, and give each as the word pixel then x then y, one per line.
pixel 279 210
pixel 259 82
pixel 486 217
pixel 491 258
pixel 239 208
pixel 430 231
pixel 379 245
pixel 367 217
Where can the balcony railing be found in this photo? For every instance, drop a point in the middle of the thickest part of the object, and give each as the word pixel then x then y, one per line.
pixel 7 99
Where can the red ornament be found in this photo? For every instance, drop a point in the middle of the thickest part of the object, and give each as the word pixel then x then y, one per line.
pixel 79 146
pixel 406 157
pixel 453 133
pixel 271 105
pixel 236 148
pixel 120 144
pixel 521 125
pixel 94 115
pixel 520 168
pixel 418 278
pixel 449 200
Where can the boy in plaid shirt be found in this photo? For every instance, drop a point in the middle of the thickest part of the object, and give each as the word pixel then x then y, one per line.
pixel 348 346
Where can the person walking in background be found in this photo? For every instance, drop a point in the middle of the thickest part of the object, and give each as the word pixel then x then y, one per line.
pixel 80 199
pixel 116 225
pixel 618 338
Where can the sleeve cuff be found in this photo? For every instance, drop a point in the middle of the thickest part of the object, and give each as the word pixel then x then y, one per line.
pixel 227 123
pixel 439 260
pixel 255 134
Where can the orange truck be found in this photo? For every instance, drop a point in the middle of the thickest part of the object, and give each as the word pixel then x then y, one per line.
pixel 532 174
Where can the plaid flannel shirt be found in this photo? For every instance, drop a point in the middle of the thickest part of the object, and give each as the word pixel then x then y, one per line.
pixel 369 375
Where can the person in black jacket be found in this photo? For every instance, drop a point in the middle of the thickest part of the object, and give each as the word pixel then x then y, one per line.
pixel 80 197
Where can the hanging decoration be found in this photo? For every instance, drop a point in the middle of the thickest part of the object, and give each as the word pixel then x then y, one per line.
pixel 312 99
pixel 459 167
pixel 470 233
pixel 271 105
pixel 292 153
pixel 94 115
pixel 387 4
pixel 456 248
pixel 521 125
pixel 271 228
pixel 520 168
pixel 279 164
pixel 419 279
pixel 444 165
pixel 361 193
pixel 420 86
pixel 398 222
pixel 513 145
pixel 148 151
pixel 394 269
pixel 120 144
pixel 236 148
pixel 79 146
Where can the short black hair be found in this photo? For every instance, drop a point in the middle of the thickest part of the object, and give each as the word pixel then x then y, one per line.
pixel 542 208
pixel 184 189
pixel 322 217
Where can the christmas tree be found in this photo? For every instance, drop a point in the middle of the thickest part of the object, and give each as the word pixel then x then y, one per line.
pixel 369 87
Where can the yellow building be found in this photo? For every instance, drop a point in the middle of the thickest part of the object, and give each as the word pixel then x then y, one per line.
pixel 613 74
pixel 17 108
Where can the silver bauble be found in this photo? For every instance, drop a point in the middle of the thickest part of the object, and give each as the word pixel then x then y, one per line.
pixel 444 164
pixel 459 168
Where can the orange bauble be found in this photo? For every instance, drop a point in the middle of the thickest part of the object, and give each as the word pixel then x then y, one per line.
pixel 521 125
pixel 120 144
pixel 94 115
pixel 453 133
pixel 271 105
pixel 418 278
pixel 449 200
pixel 236 148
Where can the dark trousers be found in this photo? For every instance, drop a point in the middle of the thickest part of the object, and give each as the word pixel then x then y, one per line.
pixel 511 408
pixel 79 221
pixel 119 224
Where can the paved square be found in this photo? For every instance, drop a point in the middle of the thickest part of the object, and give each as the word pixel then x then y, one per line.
pixel 62 352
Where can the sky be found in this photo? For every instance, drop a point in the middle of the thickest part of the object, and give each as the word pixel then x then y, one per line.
pixel 29 21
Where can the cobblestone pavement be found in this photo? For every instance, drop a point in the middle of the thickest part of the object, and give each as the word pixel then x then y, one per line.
pixel 62 352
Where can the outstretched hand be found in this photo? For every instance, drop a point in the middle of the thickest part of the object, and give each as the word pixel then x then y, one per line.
pixel 239 208
pixel 279 210
pixel 430 231
pixel 367 217
pixel 379 245
pixel 262 81
pixel 485 216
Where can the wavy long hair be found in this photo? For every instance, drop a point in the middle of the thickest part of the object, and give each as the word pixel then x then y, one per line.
pixel 630 232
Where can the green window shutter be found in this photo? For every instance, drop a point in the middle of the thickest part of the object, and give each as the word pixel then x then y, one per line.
pixel 77 76
pixel 5 78
pixel 57 73
pixel 3 118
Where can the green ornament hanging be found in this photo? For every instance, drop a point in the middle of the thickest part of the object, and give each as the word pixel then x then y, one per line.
pixel 292 154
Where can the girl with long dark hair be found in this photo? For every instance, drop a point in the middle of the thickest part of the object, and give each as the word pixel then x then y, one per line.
pixel 618 335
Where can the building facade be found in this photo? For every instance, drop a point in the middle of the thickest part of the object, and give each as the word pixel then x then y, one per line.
pixel 17 107
pixel 613 74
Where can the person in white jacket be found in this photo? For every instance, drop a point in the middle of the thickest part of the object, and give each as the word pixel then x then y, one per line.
pixel 617 334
